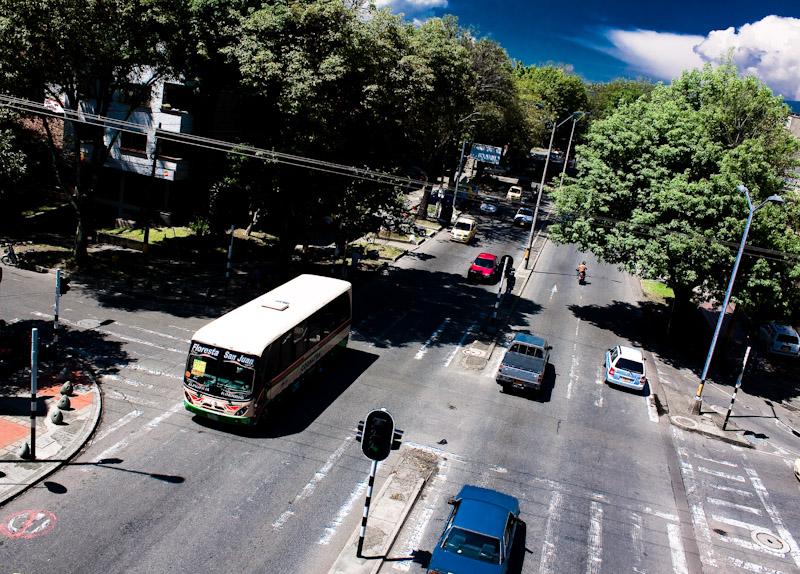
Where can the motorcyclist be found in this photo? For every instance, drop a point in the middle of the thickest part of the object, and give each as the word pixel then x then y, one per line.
pixel 510 281
pixel 581 269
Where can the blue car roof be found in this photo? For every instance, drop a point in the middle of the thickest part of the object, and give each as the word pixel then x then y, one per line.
pixel 484 510
pixel 530 339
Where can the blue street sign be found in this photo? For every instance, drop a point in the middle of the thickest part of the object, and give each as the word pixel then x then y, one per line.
pixel 486 153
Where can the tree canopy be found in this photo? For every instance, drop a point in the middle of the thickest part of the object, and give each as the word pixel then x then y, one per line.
pixel 656 190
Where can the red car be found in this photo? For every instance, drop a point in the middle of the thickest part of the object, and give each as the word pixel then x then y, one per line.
pixel 484 268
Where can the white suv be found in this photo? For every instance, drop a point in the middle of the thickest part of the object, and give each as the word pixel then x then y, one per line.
pixel 780 339
pixel 524 217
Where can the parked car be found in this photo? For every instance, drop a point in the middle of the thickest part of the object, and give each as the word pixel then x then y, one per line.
pixel 780 339
pixel 514 193
pixel 464 229
pixel 478 537
pixel 484 268
pixel 524 217
pixel 524 364
pixel 625 367
pixel 488 207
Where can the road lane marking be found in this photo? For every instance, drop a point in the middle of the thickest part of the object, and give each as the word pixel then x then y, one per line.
pixel 772 511
pixel 721 462
pixel 311 485
pixel 129 382
pixel 547 561
pixel 154 372
pixel 749 546
pixel 637 541
pixel 573 370
pixel 330 530
pixel 134 400
pixel 718 474
pixel 664 515
pixel 751 567
pixel 742 507
pixel 455 351
pixel 431 340
pixel 150 332
pixel 676 549
pixel 113 334
pixel 135 434
pixel 595 542
pixel 553 291
pixel 737 523
pixel 118 424
pixel 736 491
pixel 599 380
pixel 699 520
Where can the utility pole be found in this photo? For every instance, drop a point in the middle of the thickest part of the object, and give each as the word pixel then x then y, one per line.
pixel 458 174
pixel 149 198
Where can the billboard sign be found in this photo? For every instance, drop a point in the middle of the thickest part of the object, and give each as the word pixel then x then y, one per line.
pixel 486 153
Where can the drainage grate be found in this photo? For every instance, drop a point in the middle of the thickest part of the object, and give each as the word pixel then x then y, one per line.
pixel 769 541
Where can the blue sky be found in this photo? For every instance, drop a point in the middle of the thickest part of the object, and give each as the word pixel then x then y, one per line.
pixel 602 40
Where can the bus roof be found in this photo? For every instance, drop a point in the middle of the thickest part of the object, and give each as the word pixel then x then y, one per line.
pixel 252 327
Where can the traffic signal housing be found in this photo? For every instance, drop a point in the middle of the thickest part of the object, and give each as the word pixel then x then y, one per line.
pixel 63 286
pixel 378 435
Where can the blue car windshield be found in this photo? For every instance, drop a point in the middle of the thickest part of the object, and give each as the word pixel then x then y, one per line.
pixel 473 545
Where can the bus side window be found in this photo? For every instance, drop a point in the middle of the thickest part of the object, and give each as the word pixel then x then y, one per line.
pixel 287 351
pixel 299 338
pixel 273 361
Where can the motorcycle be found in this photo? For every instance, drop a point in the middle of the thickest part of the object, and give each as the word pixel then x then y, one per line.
pixel 10 257
pixel 581 276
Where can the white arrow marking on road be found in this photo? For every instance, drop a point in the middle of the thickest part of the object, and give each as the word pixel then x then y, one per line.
pixel 553 291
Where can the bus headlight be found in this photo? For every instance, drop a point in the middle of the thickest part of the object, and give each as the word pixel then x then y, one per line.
pixel 241 411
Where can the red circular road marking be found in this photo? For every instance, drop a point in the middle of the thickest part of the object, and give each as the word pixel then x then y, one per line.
pixel 28 524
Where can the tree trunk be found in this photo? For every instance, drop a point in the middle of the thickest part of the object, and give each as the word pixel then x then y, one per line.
pixel 422 210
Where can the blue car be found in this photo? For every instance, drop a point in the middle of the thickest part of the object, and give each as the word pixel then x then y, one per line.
pixel 625 366
pixel 479 534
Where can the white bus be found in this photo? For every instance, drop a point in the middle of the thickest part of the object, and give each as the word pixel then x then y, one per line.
pixel 241 361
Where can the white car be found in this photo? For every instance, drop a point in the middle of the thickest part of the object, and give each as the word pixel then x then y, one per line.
pixel 780 339
pixel 488 207
pixel 625 366
pixel 524 217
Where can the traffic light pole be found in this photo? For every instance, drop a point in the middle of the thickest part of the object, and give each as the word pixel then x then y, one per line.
pixel 56 306
pixel 363 530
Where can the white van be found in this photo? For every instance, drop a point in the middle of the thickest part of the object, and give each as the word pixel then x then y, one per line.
pixel 514 193
pixel 464 229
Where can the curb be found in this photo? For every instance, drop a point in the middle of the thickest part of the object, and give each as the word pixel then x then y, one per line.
pixel 48 467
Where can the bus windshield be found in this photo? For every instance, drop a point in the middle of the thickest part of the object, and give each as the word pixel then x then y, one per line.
pixel 228 376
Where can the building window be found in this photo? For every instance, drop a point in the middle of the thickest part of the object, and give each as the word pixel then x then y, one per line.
pixel 133 144
pixel 169 149
pixel 176 98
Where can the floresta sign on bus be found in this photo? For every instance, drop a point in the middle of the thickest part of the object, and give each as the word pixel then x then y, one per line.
pixel 242 360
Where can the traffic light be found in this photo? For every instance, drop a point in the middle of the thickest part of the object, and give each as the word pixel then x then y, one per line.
pixel 360 431
pixel 63 286
pixel 378 435
pixel 397 438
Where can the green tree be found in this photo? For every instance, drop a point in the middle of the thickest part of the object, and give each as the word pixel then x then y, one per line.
pixel 550 93
pixel 656 189
pixel 81 53
pixel 606 97
pixel 13 162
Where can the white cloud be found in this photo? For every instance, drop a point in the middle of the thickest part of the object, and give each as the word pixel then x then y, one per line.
pixel 768 49
pixel 659 54
pixel 411 5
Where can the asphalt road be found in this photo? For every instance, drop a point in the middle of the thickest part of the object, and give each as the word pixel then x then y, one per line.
pixel 604 484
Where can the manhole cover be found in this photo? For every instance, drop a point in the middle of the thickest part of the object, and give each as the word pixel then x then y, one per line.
pixel 769 541
pixel 474 352
pixel 89 323
pixel 685 422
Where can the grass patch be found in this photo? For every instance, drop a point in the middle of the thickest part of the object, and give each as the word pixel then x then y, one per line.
pixel 384 251
pixel 157 234
pixel 657 289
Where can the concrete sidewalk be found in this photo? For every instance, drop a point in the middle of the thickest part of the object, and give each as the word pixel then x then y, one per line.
pixel 388 512
pixel 56 442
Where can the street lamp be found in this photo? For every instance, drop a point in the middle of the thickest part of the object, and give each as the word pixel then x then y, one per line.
pixel 698 398
pixel 541 185
pixel 576 117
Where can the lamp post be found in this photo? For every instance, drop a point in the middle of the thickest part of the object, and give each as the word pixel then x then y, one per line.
pixel 576 117
pixel 698 398
pixel 541 185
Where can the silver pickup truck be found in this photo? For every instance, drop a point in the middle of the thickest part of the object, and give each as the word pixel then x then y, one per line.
pixel 524 363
